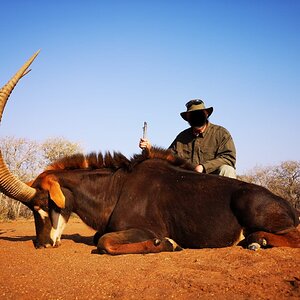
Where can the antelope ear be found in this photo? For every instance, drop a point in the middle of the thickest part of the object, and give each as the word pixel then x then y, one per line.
pixel 56 194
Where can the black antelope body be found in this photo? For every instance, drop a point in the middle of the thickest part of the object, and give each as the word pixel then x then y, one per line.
pixel 151 203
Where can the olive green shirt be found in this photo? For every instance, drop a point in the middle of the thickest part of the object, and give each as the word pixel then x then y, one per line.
pixel 212 149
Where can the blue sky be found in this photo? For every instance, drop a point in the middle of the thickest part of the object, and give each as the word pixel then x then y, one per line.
pixel 105 67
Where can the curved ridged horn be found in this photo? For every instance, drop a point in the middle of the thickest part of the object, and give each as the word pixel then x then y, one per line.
pixel 9 184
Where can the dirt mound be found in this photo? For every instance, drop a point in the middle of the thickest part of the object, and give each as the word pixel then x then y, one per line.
pixel 72 272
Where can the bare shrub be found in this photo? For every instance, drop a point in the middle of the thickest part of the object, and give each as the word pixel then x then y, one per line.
pixel 283 180
pixel 26 159
pixel 56 148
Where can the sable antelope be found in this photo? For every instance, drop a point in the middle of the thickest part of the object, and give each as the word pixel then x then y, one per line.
pixel 151 203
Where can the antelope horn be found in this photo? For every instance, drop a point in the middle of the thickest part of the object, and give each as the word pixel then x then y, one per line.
pixel 10 185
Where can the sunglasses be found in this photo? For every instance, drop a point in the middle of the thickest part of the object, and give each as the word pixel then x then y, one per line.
pixel 192 102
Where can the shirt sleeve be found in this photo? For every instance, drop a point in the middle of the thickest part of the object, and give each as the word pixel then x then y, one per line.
pixel 184 138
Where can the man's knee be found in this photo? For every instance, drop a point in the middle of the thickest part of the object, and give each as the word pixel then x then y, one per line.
pixel 227 171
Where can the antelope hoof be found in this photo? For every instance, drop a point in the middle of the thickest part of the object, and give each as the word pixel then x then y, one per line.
pixel 254 246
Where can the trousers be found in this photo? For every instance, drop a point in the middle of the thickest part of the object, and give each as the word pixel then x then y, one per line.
pixel 226 171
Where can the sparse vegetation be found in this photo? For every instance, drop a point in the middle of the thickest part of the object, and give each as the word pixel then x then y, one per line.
pixel 283 180
pixel 26 159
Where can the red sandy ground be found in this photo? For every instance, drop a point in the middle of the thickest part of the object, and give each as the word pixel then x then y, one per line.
pixel 72 272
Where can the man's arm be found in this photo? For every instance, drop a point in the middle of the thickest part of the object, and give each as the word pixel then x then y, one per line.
pixel 226 155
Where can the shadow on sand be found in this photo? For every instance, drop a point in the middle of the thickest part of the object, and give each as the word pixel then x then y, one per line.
pixel 76 238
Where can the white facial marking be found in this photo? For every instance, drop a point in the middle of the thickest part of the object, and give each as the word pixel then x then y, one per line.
pixel 58 225
pixel 43 214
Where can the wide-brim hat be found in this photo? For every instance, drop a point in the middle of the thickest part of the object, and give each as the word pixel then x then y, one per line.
pixel 196 104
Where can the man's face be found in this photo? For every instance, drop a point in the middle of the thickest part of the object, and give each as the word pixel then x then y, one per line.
pixel 197 118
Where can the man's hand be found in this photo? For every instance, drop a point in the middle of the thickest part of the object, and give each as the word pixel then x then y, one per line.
pixel 144 144
pixel 199 169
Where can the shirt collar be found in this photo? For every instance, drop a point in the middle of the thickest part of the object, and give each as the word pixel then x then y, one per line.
pixel 201 134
